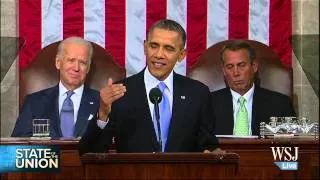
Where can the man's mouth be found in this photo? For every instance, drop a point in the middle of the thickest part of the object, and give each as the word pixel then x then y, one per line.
pixel 74 75
pixel 158 64
pixel 238 82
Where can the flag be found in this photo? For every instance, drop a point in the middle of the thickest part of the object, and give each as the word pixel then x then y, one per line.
pixel 120 26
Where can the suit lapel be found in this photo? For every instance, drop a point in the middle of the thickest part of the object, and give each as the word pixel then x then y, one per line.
pixel 86 109
pixel 179 103
pixel 258 101
pixel 53 114
pixel 228 121
pixel 142 109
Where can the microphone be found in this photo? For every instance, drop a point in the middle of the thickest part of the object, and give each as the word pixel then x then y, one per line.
pixel 155 96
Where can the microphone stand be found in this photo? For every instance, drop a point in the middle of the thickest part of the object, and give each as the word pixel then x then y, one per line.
pixel 156 106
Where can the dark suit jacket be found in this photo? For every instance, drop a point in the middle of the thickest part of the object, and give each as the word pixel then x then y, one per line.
pixel 44 104
pixel 130 121
pixel 265 104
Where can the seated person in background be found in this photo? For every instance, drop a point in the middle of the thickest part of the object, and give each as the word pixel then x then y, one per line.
pixel 239 108
pixel 69 105
pixel 185 115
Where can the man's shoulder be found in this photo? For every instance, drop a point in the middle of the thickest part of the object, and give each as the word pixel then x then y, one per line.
pixel 44 92
pixel 41 96
pixel 132 79
pixel 92 91
pixel 270 94
pixel 220 92
pixel 188 82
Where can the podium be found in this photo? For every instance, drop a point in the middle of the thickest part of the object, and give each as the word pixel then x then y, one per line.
pixel 160 165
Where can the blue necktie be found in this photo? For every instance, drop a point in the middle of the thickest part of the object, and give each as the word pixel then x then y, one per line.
pixel 66 116
pixel 165 115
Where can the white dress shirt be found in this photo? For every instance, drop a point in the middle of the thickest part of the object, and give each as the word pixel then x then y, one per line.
pixel 76 99
pixel 249 99
pixel 151 82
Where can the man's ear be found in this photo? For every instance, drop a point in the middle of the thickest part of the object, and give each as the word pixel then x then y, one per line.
pixel 182 55
pixel 58 62
pixel 145 46
pixel 223 70
pixel 255 66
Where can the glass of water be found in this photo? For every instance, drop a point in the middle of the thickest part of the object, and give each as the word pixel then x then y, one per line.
pixel 41 128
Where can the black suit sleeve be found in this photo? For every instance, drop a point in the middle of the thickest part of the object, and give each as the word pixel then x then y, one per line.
pixel 95 139
pixel 206 137
pixel 288 107
pixel 23 126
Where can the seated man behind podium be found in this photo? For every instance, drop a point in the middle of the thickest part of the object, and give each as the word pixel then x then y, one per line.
pixel 69 105
pixel 185 121
pixel 239 108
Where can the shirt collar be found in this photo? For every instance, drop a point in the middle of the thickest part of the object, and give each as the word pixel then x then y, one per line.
pixel 63 90
pixel 248 95
pixel 151 82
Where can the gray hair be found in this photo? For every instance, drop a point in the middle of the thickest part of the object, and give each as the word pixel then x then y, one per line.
pixel 75 40
pixel 235 45
pixel 171 25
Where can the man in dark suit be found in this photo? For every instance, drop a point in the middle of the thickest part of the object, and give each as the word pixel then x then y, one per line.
pixel 233 117
pixel 68 116
pixel 131 119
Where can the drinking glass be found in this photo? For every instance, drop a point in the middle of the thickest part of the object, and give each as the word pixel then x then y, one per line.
pixel 41 128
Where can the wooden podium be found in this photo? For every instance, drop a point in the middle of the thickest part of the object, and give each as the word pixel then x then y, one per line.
pixel 159 165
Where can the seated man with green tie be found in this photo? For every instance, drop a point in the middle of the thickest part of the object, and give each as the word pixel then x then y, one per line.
pixel 239 108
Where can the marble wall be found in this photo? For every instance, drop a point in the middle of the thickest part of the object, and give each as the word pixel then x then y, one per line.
pixel 9 71
pixel 305 40
pixel 305 18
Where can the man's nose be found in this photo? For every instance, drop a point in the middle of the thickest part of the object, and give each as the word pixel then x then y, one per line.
pixel 76 66
pixel 159 53
pixel 236 71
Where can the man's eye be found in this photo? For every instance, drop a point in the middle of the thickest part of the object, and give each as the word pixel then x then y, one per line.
pixel 70 59
pixel 83 62
pixel 153 46
pixel 243 64
pixel 229 66
pixel 170 49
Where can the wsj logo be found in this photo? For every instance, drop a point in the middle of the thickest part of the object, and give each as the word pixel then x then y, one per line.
pixel 285 157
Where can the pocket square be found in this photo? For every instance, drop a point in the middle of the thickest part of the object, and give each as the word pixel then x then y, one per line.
pixel 90 117
pixel 183 97
pixel 91 103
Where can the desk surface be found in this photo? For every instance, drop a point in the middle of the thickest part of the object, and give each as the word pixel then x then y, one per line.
pixel 222 140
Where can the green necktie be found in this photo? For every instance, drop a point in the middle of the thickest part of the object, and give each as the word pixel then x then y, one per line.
pixel 242 127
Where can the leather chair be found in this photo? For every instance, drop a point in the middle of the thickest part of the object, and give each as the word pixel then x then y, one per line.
pixel 272 74
pixel 42 72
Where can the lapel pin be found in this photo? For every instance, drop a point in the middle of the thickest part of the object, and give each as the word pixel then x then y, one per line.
pixel 90 117
pixel 183 97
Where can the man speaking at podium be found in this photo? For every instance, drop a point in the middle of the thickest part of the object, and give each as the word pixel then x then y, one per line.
pixel 183 121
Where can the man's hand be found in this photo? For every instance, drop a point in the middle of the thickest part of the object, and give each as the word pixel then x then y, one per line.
pixel 217 151
pixel 108 95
